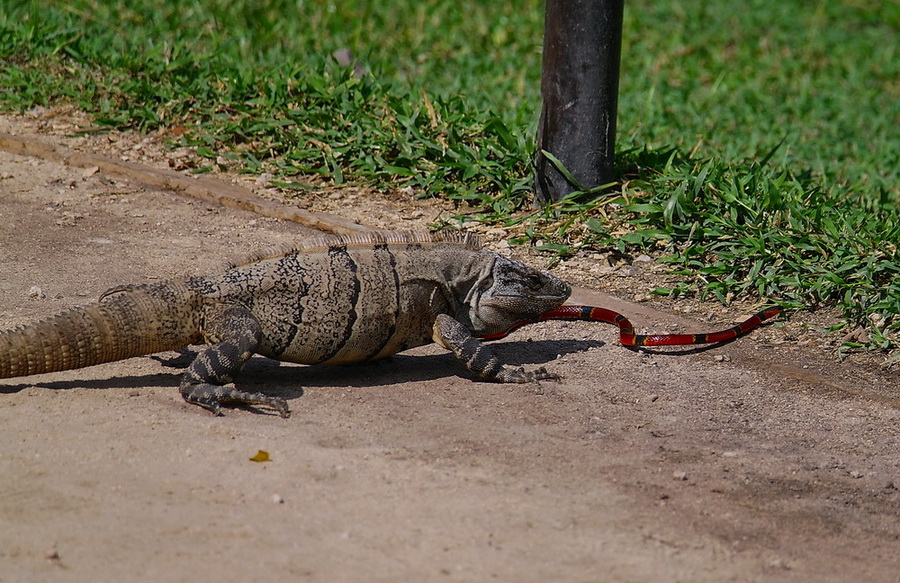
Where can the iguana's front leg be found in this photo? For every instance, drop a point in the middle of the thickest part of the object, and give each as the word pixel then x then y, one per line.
pixel 477 357
pixel 238 334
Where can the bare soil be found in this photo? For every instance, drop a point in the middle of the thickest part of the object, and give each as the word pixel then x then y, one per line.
pixel 761 460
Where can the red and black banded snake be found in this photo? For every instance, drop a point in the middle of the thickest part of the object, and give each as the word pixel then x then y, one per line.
pixel 626 331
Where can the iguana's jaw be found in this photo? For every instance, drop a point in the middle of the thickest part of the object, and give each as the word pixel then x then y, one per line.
pixel 511 293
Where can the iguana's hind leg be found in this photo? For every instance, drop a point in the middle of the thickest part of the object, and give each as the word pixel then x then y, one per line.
pixel 237 334
pixel 477 357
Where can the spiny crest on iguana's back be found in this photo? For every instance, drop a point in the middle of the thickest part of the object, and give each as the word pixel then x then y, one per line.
pixel 319 243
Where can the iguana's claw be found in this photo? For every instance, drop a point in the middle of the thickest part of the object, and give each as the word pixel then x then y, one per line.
pixel 542 374
pixel 520 375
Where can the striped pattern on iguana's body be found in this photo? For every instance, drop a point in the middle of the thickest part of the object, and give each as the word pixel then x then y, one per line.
pixel 330 300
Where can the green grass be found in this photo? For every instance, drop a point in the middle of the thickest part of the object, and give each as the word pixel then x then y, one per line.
pixel 758 140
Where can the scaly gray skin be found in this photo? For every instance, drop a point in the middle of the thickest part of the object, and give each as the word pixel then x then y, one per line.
pixel 331 300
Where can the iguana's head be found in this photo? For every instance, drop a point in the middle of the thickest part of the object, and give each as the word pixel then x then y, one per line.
pixel 510 293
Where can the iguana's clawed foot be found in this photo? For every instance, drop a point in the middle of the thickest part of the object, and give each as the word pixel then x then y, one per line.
pixel 542 374
pixel 213 397
pixel 520 375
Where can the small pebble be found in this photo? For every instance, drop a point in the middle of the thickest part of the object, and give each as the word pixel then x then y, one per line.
pixel 343 56
pixel 679 475
pixel 855 474
pixel 277 499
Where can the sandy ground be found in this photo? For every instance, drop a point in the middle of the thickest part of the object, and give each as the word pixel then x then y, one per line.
pixel 757 461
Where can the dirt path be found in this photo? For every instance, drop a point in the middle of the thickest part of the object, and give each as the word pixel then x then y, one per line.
pixel 748 462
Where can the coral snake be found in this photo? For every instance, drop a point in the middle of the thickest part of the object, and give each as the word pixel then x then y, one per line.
pixel 626 331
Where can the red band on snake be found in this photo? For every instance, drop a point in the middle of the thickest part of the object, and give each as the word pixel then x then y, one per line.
pixel 626 331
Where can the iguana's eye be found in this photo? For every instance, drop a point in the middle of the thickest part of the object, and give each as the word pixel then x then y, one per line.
pixel 534 281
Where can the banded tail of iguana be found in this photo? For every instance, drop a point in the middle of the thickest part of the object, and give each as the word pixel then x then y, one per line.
pixel 330 300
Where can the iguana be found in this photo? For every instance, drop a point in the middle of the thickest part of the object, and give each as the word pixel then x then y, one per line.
pixel 329 300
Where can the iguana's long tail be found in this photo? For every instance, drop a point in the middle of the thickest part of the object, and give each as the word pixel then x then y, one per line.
pixel 128 321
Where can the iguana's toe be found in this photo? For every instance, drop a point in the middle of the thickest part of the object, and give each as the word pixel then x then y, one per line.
pixel 520 375
pixel 213 397
pixel 542 374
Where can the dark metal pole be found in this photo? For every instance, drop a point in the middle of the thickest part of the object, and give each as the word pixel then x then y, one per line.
pixel 579 88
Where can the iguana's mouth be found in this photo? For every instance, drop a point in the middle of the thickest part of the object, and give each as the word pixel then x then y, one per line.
pixel 537 297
